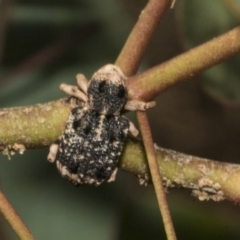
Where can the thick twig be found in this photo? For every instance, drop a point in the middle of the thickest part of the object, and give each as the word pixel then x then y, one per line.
pixel 207 178
pixel 33 126
pixel 14 220
pixel 177 169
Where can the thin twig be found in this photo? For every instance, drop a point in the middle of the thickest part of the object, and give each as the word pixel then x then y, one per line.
pixel 14 220
pixel 155 174
pixel 150 83
pixel 135 46
pixel 129 60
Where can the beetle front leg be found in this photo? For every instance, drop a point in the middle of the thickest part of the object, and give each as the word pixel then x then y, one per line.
pixel 78 92
pixel 73 91
pixel 82 82
pixel 137 105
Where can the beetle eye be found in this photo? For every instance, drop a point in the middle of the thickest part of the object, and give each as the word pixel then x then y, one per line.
pixel 121 91
pixel 101 86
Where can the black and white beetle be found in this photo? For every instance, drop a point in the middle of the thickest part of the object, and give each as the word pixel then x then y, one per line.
pixel 90 146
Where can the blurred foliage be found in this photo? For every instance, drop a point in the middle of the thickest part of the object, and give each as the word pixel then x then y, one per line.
pixel 203 20
pixel 50 206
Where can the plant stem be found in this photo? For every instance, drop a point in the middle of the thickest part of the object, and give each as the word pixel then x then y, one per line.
pixel 129 60
pixel 156 176
pixel 14 220
pixel 131 54
pixel 208 179
pixel 149 84
pixel 37 126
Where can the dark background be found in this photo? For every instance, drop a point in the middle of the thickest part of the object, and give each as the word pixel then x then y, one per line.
pixel 44 43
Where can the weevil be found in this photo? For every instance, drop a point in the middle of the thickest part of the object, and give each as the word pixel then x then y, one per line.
pixel 88 151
